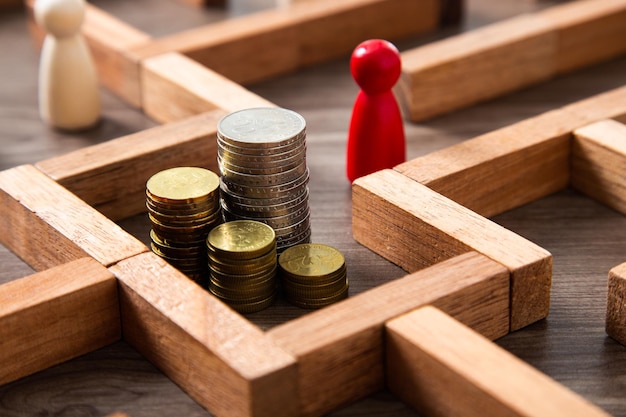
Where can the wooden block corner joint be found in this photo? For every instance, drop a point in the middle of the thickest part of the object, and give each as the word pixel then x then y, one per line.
pixel 39 323
pixel 442 368
pixel 414 227
pixel 616 304
pixel 339 349
pixel 599 162
pixel 219 358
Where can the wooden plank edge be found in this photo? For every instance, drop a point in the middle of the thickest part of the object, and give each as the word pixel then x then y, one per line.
pixel 428 228
pixel 220 359
pixel 616 304
pixel 56 315
pixel 442 368
pixel 46 225
pixel 339 349
pixel 111 176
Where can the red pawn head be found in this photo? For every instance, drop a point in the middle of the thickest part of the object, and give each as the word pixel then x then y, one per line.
pixel 375 66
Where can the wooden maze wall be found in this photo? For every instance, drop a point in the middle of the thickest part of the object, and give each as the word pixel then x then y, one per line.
pixel 305 367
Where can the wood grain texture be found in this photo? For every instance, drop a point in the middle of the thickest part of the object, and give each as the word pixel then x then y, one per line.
pixel 616 304
pixel 414 227
pixel 111 176
pixel 340 349
pixel 450 74
pixel 514 165
pixel 292 37
pixel 110 41
pixel 176 87
pixel 225 363
pixel 46 225
pixel 599 162
pixel 39 323
pixel 443 368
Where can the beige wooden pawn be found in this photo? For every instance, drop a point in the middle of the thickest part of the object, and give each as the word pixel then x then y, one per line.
pixel 68 85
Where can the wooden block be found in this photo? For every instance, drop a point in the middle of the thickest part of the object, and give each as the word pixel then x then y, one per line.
pixel 220 359
pixel 450 74
pixel 616 304
pixel 442 368
pixel 599 162
pixel 46 225
pixel 414 227
pixel 503 169
pixel 291 37
pixel 176 87
pixel 111 42
pixel 340 349
pixel 475 66
pixel 56 315
pixel 111 176
pixel 609 105
pixel 589 32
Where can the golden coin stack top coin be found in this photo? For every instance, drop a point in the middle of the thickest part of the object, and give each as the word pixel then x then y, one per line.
pixel 243 264
pixel 264 175
pixel 313 275
pixel 183 206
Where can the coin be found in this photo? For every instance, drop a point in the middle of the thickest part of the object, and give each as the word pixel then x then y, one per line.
pixel 186 184
pixel 241 239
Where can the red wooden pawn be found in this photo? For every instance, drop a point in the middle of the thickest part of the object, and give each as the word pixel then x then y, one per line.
pixel 376 136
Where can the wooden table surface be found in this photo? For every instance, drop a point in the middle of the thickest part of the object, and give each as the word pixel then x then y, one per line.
pixel 585 238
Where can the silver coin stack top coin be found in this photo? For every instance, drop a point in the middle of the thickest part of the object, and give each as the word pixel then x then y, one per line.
pixel 261 154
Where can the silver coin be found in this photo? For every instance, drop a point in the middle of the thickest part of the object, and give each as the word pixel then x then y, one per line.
pixel 267 180
pixel 272 191
pixel 285 198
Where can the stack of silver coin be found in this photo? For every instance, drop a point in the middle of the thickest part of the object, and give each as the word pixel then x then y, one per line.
pixel 264 175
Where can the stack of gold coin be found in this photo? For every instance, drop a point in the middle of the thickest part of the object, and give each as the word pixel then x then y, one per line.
pixel 313 275
pixel 183 206
pixel 242 264
pixel 264 175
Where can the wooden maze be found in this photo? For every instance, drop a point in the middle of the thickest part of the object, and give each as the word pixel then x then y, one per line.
pixel 410 334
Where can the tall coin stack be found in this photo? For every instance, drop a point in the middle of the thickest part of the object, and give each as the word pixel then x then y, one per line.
pixel 183 206
pixel 242 264
pixel 264 175
pixel 313 275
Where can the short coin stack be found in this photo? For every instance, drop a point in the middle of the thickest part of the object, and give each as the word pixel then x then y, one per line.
pixel 262 161
pixel 313 275
pixel 183 206
pixel 243 265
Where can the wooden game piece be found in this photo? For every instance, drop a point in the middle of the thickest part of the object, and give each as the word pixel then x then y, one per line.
pixel 56 315
pixel 514 165
pixel 69 98
pixel 110 41
pixel 86 172
pixel 447 75
pixel 376 135
pixel 414 227
pixel 300 35
pixel 221 360
pixel 599 162
pixel 616 304
pixel 175 87
pixel 442 368
pixel 340 349
pixel 46 225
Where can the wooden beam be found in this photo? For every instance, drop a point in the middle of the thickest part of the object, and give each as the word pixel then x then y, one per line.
pixel 616 304
pixel 599 162
pixel 340 349
pixel 516 164
pixel 442 368
pixel 219 358
pixel 46 225
pixel 450 74
pixel 176 87
pixel 56 315
pixel 111 176
pixel 295 36
pixel 414 227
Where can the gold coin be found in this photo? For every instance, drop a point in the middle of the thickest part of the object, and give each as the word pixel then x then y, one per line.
pixel 241 239
pixel 186 184
pixel 313 303
pixel 311 260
